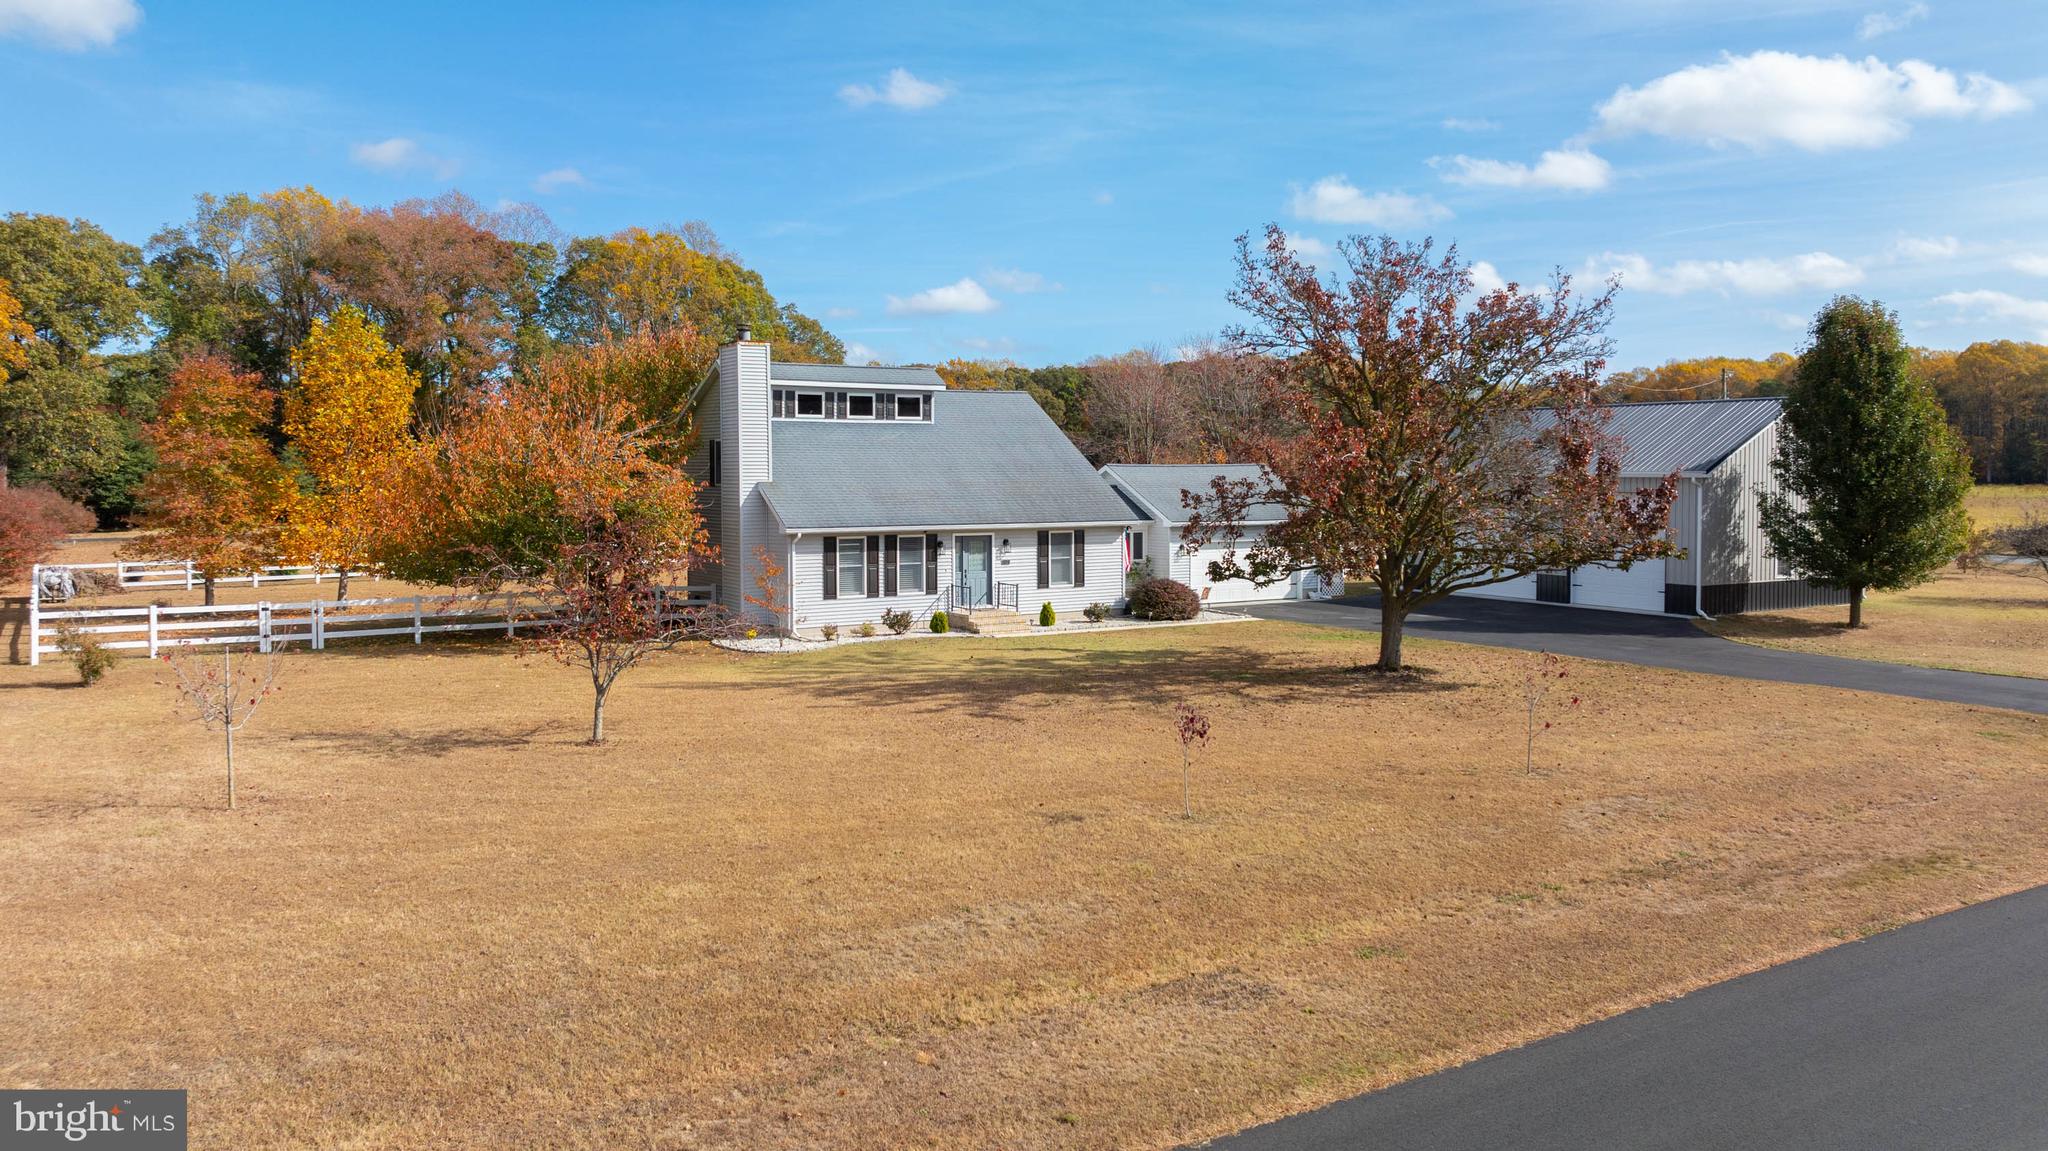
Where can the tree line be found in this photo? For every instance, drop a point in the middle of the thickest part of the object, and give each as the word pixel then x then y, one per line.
pixel 95 329
pixel 1994 393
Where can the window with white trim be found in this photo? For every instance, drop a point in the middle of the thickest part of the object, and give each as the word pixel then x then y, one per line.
pixel 1785 567
pixel 1137 546
pixel 910 407
pixel 860 406
pixel 910 565
pixel 1059 564
pixel 852 566
pixel 810 405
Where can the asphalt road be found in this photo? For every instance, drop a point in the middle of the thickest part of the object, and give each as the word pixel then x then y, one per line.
pixel 1929 1038
pixel 1663 641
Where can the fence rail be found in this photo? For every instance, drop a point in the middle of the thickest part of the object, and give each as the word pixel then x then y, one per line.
pixel 184 574
pixel 316 623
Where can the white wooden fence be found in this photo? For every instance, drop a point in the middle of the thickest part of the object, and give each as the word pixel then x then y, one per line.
pixel 182 573
pixel 269 626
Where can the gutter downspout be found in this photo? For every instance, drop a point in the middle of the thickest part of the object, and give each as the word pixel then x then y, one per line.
pixel 789 573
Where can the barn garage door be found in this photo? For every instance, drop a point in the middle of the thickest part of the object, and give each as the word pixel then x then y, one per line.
pixel 1640 588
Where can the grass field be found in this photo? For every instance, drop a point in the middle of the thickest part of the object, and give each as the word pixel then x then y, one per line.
pixel 935 893
pixel 1986 620
pixel 2000 505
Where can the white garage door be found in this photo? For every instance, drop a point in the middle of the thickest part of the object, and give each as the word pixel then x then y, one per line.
pixel 1640 588
pixel 1229 591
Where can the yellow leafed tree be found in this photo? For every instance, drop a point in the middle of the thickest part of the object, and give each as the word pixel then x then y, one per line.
pixel 15 333
pixel 349 420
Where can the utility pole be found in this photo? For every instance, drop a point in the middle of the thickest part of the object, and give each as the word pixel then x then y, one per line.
pixel 1724 383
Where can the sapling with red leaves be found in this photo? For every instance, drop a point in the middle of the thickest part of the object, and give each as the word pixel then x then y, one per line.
pixel 223 694
pixel 1543 673
pixel 1192 728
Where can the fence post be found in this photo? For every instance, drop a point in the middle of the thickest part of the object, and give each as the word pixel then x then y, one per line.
pixel 416 633
pixel 319 625
pixel 511 614
pixel 152 631
pixel 188 575
pixel 35 614
pixel 263 627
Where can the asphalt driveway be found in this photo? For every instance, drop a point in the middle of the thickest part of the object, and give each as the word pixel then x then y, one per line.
pixel 1662 641
pixel 1928 1038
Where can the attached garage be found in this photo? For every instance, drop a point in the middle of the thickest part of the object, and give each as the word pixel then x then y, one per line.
pixel 1228 591
pixel 1154 492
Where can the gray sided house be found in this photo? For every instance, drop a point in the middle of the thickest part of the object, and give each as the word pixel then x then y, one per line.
pixel 878 489
pixel 1722 452
pixel 1154 491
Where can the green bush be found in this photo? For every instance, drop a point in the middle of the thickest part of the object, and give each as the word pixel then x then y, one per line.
pixel 1165 599
pixel 1046 618
pixel 896 621
pixel 940 624
pixel 91 659
pixel 1096 612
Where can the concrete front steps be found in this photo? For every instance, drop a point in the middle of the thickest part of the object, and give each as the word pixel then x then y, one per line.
pixel 995 622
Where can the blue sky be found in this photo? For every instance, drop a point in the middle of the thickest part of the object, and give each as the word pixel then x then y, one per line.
pixel 1051 182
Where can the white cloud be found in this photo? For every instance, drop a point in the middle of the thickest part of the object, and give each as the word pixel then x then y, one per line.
pixel 1018 280
pixel 1882 23
pixel 1809 102
pixel 2032 263
pixel 1334 200
pixel 859 353
pixel 1486 278
pixel 1105 198
pixel 1989 305
pixel 1757 276
pixel 1001 346
pixel 1469 124
pixel 1307 247
pixel 841 313
pixel 555 180
pixel 73 25
pixel 1784 321
pixel 964 295
pixel 899 90
pixel 1564 169
pixel 399 154
pixel 1926 247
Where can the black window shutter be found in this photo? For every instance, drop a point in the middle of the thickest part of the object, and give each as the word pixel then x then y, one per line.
pixel 874 567
pixel 931 564
pixel 1044 559
pixel 715 461
pixel 885 406
pixel 831 568
pixel 889 558
pixel 1080 558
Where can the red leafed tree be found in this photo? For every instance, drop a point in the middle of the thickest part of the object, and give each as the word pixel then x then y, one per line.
pixel 1442 439
pixel 32 522
pixel 218 493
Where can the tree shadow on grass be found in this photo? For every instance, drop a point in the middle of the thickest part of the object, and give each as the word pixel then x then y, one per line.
pixel 992 685
pixel 416 745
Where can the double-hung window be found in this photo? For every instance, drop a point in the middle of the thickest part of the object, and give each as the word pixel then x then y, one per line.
pixel 852 566
pixel 1060 560
pixel 910 565
pixel 1137 547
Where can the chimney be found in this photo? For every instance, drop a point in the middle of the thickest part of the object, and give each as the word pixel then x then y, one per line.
pixel 746 333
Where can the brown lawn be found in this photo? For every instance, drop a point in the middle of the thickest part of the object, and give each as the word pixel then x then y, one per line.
pixel 1992 619
pixel 935 893
pixel 2000 505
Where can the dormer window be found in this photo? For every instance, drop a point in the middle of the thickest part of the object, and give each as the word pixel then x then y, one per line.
pixel 910 407
pixel 810 405
pixel 860 406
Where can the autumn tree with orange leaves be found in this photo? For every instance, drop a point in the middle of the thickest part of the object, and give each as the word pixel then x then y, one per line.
pixel 565 492
pixel 349 422
pixel 218 494
pixel 1449 439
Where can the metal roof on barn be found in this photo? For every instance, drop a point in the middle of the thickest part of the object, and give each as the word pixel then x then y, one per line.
pixel 1684 435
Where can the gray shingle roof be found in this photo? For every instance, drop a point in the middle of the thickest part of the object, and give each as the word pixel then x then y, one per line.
pixel 1684 435
pixel 855 376
pixel 985 459
pixel 1161 485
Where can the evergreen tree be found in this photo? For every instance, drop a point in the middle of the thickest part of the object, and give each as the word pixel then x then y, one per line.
pixel 1873 478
